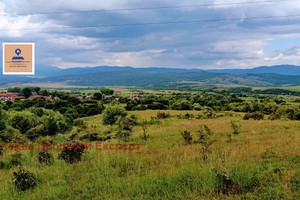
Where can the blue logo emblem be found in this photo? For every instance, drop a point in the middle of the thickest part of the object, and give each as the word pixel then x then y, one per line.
pixel 18 52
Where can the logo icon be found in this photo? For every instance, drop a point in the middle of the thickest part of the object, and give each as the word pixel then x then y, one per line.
pixel 18 52
pixel 18 58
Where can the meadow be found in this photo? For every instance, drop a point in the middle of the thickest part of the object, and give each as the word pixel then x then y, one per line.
pixel 260 162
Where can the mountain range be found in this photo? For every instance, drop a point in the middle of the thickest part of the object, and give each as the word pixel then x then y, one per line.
pixel 141 77
pixel 277 69
pixel 46 71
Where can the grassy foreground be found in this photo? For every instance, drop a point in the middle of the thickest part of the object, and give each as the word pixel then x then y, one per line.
pixel 262 162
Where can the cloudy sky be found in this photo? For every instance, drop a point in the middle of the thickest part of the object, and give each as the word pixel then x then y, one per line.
pixel 208 44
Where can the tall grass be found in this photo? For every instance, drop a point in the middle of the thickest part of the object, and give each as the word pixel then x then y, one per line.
pixel 166 168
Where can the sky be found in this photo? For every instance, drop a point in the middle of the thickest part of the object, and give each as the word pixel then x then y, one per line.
pixel 241 43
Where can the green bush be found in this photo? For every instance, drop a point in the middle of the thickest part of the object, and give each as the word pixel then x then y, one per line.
pixel 236 127
pixel 255 116
pixel 80 123
pixel 2 126
pixel 125 128
pixel 45 158
pixel 163 115
pixel 225 183
pixel 16 159
pixel 97 96
pixel 72 152
pixel 12 135
pixel 106 91
pixel 26 92
pixel 112 112
pixel 24 180
pixel 182 105
pixel 187 136
pixel 23 121
pixel 35 132
pixel 55 123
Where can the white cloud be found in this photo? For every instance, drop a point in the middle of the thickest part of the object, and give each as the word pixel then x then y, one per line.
pixel 225 44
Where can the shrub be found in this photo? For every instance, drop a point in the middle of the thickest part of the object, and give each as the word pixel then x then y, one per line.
pixel 24 180
pixel 124 135
pixel 182 105
pixel 37 111
pixel 2 125
pixel 208 130
pixel 154 121
pixel 133 119
pixel 125 127
pixel 275 115
pixel 210 114
pixel 188 116
pixel 163 115
pixel 206 140
pixel 127 124
pixel 185 116
pixel 236 127
pixel 95 137
pixel 197 106
pixel 50 125
pixel 144 125
pixel 187 136
pixel 71 114
pixel 80 123
pixel 55 123
pixel 23 121
pixel 16 159
pixel 255 116
pixel 225 183
pixel 97 96
pixel 112 112
pixel 45 158
pixel 72 152
pixel 106 91
pixel 26 92
pixel 205 149
pixel 35 132
pixel 12 135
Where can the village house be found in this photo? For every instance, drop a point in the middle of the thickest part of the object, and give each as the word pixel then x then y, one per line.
pixel 10 96
pixel 76 96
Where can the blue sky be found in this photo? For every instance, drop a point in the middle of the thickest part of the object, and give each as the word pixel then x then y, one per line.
pixel 207 45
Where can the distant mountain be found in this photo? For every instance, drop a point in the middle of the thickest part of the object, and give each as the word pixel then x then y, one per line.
pixel 54 71
pixel 129 76
pixel 150 78
pixel 46 70
pixel 277 69
pixel 89 70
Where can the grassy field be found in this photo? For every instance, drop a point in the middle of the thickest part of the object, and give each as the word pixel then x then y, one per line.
pixel 262 162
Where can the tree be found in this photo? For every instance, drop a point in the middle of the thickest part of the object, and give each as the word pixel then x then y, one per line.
pixel 106 91
pixel 2 125
pixel 112 112
pixel 37 89
pixel 71 113
pixel 97 96
pixel 15 89
pixel 181 105
pixel 144 125
pixel 23 121
pixel 26 92
pixel 50 126
pixel 44 92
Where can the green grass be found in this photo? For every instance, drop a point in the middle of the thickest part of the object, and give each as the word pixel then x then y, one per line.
pixel 262 163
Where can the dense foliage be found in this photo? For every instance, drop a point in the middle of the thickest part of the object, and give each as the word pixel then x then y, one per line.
pixel 24 180
pixel 46 116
